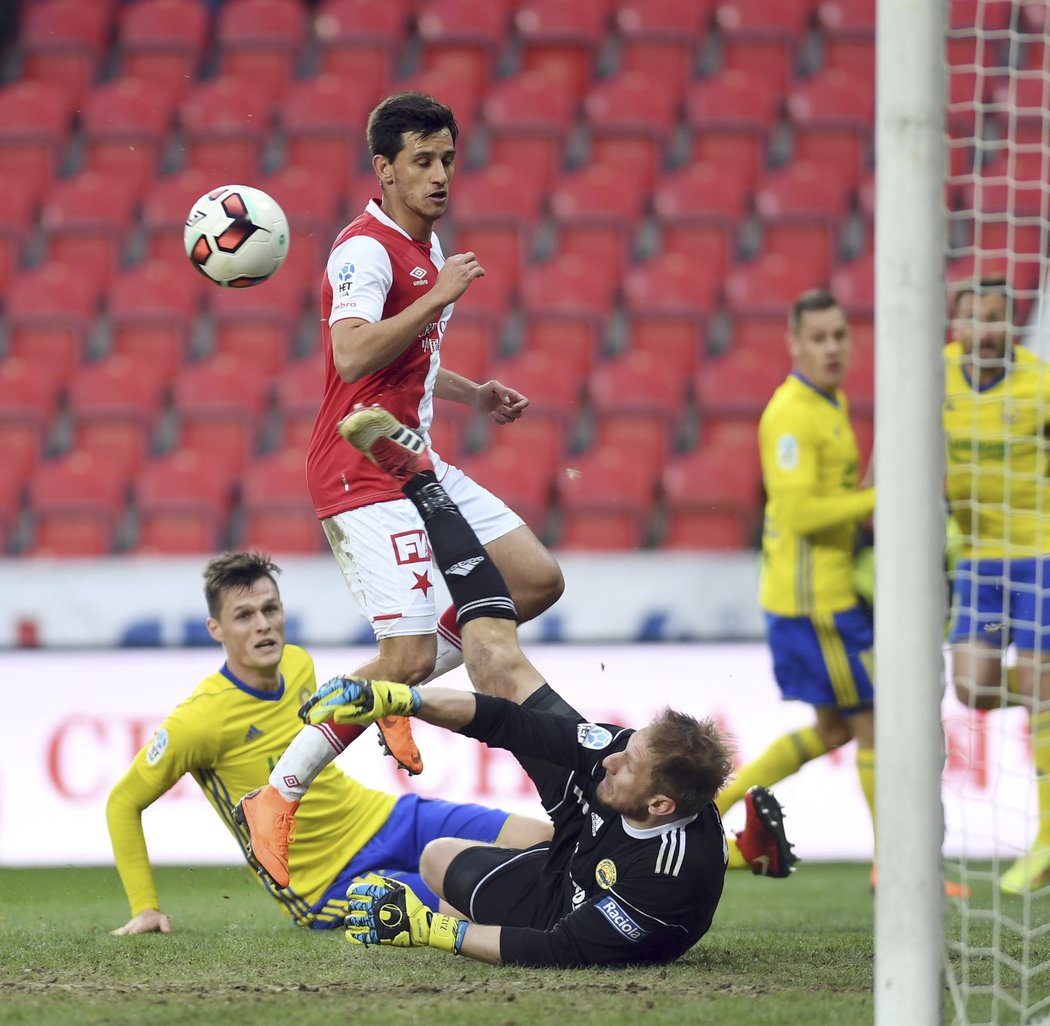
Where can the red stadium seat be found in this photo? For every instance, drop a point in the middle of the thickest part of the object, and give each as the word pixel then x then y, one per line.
pixel 566 284
pixel 41 329
pixel 453 86
pixel 298 390
pixel 561 39
pixel 572 339
pixel 162 42
pixel 113 407
pixel 677 339
pixel 605 498
pixel 636 400
pixel 450 430
pixel 629 119
pixel 1014 185
pixel 469 34
pixel 517 474
pixel 737 386
pixel 847 18
pixel 277 514
pixel 603 244
pixel 733 99
pixel 62 43
pixel 259 41
pixel 853 285
pixel 219 404
pixel 661 39
pixel 359 40
pixel 313 212
pixel 182 500
pixel 551 393
pixel 712 497
pixel 152 311
pixel 501 251
pixel 706 244
pixel 225 123
pixel 701 191
pixel 771 283
pixel 29 391
pixel 760 334
pixel 34 128
pixel 125 124
pixel 497 192
pixel 77 502
pixel 801 189
pixel 762 36
pixel 670 284
pixel 469 346
pixel 85 221
pixel 740 152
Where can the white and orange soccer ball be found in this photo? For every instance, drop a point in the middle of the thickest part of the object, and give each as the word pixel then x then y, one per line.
pixel 237 236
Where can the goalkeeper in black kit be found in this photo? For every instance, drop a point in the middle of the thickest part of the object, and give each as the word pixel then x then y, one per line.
pixel 636 865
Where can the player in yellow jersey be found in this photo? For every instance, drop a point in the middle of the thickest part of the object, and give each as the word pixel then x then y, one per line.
pixel 996 418
pixel 819 633
pixel 228 732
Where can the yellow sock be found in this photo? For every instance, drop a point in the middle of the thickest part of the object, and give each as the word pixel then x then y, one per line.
pixel 787 755
pixel 736 860
pixel 866 772
pixel 1040 727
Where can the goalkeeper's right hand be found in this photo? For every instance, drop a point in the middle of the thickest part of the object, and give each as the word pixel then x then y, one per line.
pixel 386 911
pixel 357 701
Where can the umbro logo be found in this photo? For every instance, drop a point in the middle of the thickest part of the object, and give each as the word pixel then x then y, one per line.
pixel 420 274
pixel 253 733
pixel 464 567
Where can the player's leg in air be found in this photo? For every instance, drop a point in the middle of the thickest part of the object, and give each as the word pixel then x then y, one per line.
pixel 405 655
pixel 494 660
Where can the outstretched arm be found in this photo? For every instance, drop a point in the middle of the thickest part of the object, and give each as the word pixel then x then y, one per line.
pixel 129 797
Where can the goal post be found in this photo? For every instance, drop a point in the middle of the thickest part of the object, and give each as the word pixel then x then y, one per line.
pixel 909 519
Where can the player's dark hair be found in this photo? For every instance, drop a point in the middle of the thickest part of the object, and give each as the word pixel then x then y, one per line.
pixel 959 295
pixel 811 301
pixel 990 285
pixel 235 571
pixel 692 759
pixel 407 112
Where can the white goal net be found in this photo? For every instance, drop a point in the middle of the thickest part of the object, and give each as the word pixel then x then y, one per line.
pixel 996 413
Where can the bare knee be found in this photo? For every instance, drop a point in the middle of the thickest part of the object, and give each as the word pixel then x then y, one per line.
pixel 407 659
pixel 834 735
pixel 434 860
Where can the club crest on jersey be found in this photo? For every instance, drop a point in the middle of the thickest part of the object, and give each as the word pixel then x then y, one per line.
pixel 157 747
pixel 787 452
pixel 605 874
pixel 590 735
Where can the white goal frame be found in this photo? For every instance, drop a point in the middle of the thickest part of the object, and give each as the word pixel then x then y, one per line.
pixel 909 517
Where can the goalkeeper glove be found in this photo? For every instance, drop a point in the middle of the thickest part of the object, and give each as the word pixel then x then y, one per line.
pixel 384 911
pixel 353 700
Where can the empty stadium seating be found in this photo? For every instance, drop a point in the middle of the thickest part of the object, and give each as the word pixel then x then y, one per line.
pixel 648 185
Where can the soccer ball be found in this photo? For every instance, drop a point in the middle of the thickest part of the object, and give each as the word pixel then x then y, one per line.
pixel 237 236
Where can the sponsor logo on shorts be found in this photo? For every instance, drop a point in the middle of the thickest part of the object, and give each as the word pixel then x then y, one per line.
pixel 605 874
pixel 590 735
pixel 621 921
pixel 157 747
pixel 410 547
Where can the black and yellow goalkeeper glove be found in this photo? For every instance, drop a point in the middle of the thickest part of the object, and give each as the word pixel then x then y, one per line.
pixel 353 700
pixel 385 911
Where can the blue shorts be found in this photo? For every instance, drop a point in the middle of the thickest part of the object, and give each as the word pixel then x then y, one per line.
pixel 997 602
pixel 396 847
pixel 824 660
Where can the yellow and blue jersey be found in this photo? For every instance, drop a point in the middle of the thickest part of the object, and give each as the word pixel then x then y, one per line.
pixel 228 736
pixel 810 469
pixel 997 456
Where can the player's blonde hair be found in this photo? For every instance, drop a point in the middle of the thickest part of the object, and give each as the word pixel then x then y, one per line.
pixel 691 759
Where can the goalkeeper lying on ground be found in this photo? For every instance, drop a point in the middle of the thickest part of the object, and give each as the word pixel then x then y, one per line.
pixel 635 868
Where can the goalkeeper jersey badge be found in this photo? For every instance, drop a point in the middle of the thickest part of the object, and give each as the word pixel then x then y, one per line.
pixel 590 735
pixel 605 874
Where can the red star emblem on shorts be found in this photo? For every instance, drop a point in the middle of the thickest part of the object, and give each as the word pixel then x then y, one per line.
pixel 422 582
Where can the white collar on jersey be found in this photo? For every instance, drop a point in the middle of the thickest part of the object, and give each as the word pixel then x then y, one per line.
pixel 380 215
pixel 655 831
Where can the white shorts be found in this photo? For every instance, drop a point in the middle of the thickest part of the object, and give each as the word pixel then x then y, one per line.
pixel 384 554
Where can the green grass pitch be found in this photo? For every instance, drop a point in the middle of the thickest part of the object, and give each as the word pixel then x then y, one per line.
pixel 796 951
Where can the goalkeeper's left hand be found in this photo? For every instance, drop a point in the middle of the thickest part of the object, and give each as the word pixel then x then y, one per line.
pixel 385 911
pixel 353 700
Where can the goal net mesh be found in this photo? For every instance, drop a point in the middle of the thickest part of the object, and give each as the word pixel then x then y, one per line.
pixel 997 137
